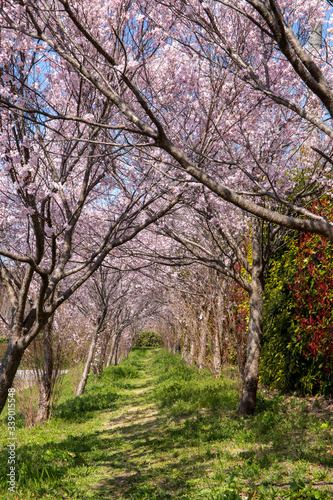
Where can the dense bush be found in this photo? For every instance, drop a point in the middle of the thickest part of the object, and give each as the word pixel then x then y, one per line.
pixel 313 295
pixel 147 338
pixel 297 349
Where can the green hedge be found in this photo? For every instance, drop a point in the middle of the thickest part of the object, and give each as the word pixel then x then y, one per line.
pixel 147 338
pixel 286 361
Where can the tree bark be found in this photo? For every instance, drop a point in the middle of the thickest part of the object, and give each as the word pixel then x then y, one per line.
pixel 9 367
pixel 247 403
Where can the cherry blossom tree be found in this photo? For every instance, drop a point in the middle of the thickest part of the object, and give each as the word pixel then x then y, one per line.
pixel 68 198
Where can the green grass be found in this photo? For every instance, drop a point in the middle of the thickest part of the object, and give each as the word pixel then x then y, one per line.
pixel 153 428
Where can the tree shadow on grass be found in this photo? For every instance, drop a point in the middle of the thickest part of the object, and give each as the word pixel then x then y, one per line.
pixel 148 466
pixel 149 459
pixel 41 468
pixel 157 444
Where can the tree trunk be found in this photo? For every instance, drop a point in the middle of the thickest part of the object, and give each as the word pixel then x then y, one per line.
pixel 176 348
pixel 120 356
pixel 185 346
pixel 46 383
pixel 114 361
pixel 111 352
pixel 202 347
pixel 17 345
pixel 217 354
pixel 247 403
pixel 101 362
pixel 192 352
pixel 9 366
pixel 84 378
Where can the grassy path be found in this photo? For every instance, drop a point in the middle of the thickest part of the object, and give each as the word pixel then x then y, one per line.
pixel 133 432
pixel 145 460
pixel 155 429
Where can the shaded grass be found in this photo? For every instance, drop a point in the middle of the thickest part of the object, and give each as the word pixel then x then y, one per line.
pixel 284 444
pixel 153 428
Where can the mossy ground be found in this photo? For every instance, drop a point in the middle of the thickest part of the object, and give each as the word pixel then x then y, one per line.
pixel 153 428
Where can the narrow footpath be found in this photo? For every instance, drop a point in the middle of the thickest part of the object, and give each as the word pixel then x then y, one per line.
pixel 140 459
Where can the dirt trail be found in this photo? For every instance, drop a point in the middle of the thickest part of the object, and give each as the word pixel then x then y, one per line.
pixel 136 410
